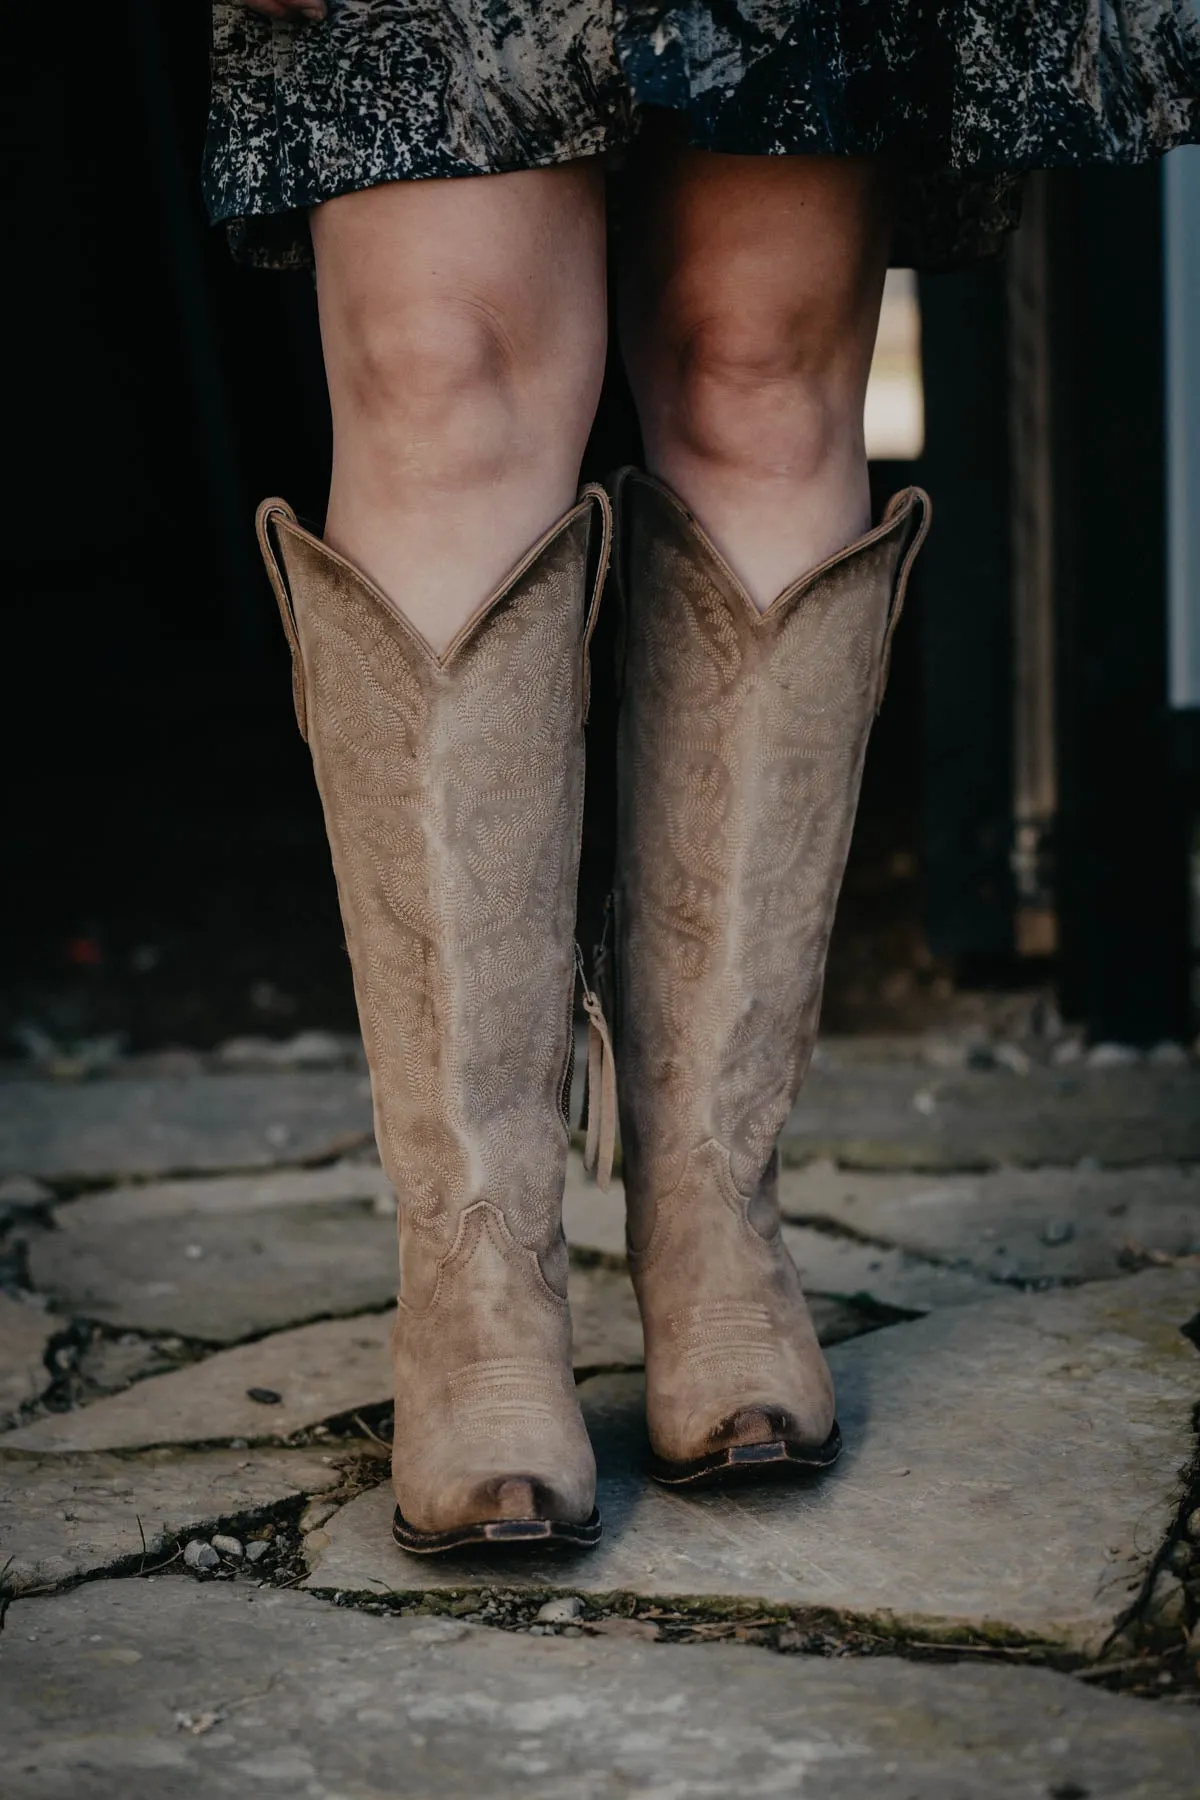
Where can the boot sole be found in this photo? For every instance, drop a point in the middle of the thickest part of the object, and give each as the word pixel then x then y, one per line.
pixel 497 1534
pixel 746 1461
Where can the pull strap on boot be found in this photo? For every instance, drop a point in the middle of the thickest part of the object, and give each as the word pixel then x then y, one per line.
pixel 741 746
pixel 452 787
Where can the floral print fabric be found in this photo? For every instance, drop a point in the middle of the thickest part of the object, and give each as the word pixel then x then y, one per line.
pixel 962 94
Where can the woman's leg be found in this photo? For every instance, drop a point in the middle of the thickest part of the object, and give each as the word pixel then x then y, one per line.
pixel 463 325
pixel 464 335
pixel 749 314
pixel 750 299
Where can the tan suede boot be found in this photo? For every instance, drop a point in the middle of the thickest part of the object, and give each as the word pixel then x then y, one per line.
pixel 453 793
pixel 742 740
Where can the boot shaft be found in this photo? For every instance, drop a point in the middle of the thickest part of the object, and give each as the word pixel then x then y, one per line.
pixel 742 740
pixel 452 787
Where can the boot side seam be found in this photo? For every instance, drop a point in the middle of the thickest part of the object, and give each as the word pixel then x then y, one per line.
pixel 665 1210
pixel 480 1217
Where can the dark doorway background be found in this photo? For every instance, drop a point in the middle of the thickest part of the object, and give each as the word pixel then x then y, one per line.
pixel 163 858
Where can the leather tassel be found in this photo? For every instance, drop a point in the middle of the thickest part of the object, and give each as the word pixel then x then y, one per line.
pixel 600 1142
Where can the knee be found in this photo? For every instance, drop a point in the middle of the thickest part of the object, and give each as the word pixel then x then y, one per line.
pixel 426 367
pixel 761 389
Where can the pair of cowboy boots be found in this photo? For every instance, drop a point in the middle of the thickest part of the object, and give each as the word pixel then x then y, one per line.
pixel 452 786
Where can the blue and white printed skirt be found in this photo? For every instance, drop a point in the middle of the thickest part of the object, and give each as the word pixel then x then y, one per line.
pixel 963 95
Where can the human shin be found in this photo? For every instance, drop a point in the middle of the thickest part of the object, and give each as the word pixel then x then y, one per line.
pixel 452 788
pixel 742 738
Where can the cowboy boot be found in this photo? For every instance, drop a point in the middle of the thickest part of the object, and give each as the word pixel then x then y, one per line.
pixel 741 744
pixel 452 787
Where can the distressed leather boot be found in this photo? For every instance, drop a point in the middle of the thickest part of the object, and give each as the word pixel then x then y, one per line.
pixel 741 745
pixel 452 787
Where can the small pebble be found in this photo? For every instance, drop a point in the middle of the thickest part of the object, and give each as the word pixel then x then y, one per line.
pixel 561 1611
pixel 316 1513
pixel 1057 1231
pixel 228 1546
pixel 1192 1525
pixel 313 1050
pixel 19 1191
pixel 239 1443
pixel 199 1555
pixel 255 1552
pixel 1112 1056
pixel 264 1396
pixel 1013 1058
pixel 1168 1056
pixel 1166 1607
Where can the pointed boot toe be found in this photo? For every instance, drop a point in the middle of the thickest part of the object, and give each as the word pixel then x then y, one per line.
pixel 756 1440
pixel 517 1508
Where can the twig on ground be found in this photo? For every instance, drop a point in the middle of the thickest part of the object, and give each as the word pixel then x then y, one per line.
pixel 178 1552
pixel 1144 1664
pixel 364 1427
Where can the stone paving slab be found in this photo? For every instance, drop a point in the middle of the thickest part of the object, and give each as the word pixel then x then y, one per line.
pixel 142 1125
pixel 109 1364
pixel 840 1268
pixel 318 1371
pixel 216 1196
pixel 63 1517
pixel 1008 1467
pixel 25 1331
pixel 832 1267
pixel 167 1689
pixel 903 1117
pixel 1014 1224
pixel 219 1277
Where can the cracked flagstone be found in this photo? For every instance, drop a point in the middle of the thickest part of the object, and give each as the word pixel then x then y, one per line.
pixel 25 1331
pixel 158 1125
pixel 63 1517
pixel 220 1276
pixel 897 1116
pixel 217 1196
pixel 1009 1467
pixel 1014 1224
pixel 317 1372
pixel 215 1693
